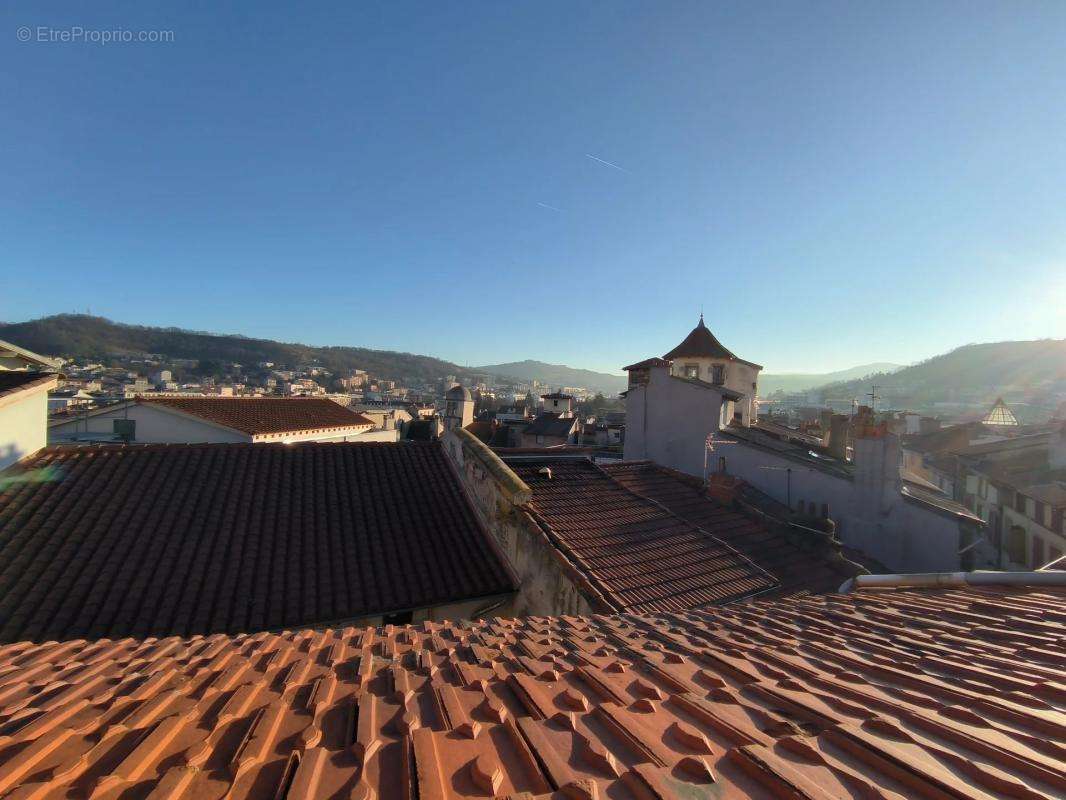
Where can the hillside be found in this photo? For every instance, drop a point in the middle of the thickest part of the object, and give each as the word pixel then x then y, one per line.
pixel 799 381
pixel 558 375
pixel 1030 373
pixel 81 336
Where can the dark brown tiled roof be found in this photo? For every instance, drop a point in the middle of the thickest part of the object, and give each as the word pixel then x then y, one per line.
pixel 800 564
pixel 701 343
pixel 12 381
pixel 890 694
pixel 483 430
pixel 548 423
pixel 647 364
pixel 187 539
pixel 638 555
pixel 260 415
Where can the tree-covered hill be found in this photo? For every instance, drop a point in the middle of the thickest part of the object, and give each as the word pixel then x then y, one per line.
pixel 81 336
pixel 1033 371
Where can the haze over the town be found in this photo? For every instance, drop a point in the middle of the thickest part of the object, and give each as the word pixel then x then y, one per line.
pixel 834 184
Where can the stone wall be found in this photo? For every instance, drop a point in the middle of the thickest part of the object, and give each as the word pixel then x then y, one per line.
pixel 548 583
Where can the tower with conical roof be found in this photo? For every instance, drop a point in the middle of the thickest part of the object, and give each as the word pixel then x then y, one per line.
pixel 701 357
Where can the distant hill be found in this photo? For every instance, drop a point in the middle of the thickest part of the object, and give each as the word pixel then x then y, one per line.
pixel 82 336
pixel 1031 373
pixel 799 381
pixel 558 375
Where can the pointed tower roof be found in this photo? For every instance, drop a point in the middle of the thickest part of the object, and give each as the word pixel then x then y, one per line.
pixel 1000 415
pixel 701 343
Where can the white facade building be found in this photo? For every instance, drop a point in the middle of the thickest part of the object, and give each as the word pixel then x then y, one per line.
pixel 190 420
pixel 671 414
pixel 702 357
pixel 23 402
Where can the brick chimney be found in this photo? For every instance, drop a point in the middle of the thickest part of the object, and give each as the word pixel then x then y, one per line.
pixel 724 488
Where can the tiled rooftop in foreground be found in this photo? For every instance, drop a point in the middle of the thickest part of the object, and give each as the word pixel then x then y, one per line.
pixel 896 693
pixel 184 539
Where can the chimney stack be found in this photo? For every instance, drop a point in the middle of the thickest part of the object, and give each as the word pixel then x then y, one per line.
pixel 1056 453
pixel 838 437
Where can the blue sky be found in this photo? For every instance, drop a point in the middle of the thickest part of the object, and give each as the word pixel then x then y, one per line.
pixel 835 183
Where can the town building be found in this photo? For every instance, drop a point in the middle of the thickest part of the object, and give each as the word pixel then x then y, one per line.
pixel 850 474
pixel 555 425
pixel 156 540
pixel 586 537
pixel 191 420
pixel 1018 485
pixel 24 385
pixel 458 407
pixel 701 357
pixel 895 692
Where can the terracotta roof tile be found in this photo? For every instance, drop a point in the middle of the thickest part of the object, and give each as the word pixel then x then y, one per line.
pixel 260 415
pixel 187 539
pixel 639 555
pixel 888 694
pixel 799 563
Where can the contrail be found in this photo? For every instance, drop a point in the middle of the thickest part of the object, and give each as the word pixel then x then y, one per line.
pixel 550 208
pixel 607 163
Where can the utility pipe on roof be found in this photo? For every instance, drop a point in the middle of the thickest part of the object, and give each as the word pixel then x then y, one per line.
pixel 956 579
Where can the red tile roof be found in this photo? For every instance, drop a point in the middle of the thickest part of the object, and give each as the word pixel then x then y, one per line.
pixel 184 539
pixel 800 562
pixel 261 415
pixel 636 553
pixel 14 381
pixel 880 694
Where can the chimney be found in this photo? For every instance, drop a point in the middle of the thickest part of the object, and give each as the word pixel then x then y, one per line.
pixel 1056 451
pixel 724 488
pixel 838 437
pixel 824 417
pixel 928 425
pixel 877 462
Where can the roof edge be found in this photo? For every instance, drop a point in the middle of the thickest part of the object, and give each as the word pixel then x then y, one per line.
pixel 517 490
pixel 931 580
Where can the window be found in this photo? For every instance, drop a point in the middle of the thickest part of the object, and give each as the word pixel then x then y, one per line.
pixel 399 618
pixel 721 464
pixel 1016 544
pixel 540 439
pixel 692 370
pixel 1019 502
pixel 126 428
pixel 1056 520
pixel 825 510
pixel 718 375
pixel 1038 553
pixel 1038 512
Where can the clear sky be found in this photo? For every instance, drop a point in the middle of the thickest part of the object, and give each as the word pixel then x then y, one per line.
pixel 835 183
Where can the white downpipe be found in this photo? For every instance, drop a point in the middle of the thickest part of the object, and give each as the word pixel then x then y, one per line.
pixel 956 579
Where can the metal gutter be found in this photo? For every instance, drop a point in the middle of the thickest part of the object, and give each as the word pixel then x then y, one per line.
pixel 955 579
